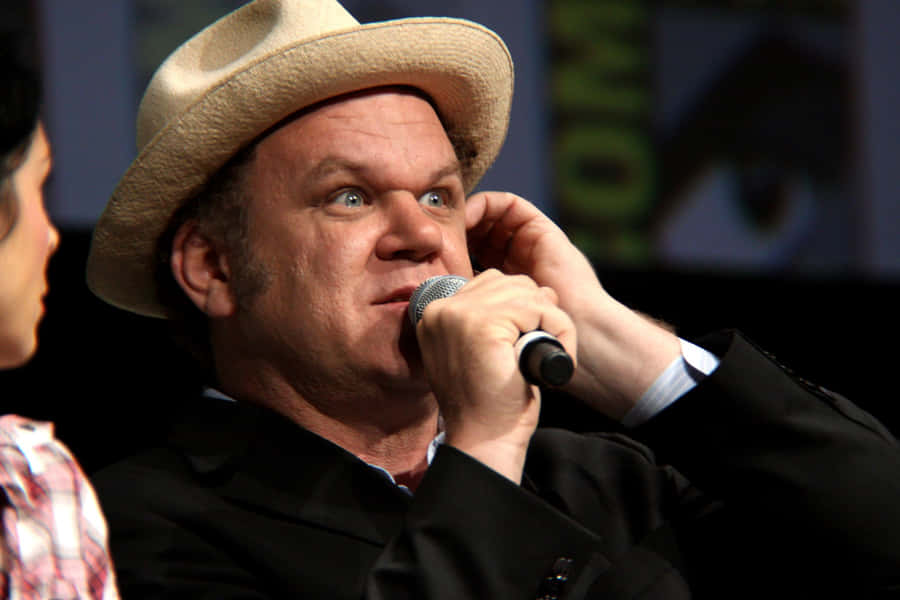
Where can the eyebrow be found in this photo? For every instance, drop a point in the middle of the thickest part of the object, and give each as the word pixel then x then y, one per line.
pixel 331 165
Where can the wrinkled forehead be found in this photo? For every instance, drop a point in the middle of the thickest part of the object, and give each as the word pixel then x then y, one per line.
pixel 334 104
pixel 381 126
pixel 341 104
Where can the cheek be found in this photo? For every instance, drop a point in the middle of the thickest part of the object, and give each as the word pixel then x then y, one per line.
pixel 20 291
pixel 319 264
pixel 337 253
pixel 35 224
pixel 41 241
pixel 456 252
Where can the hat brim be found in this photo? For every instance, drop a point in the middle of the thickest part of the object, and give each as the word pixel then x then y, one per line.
pixel 464 67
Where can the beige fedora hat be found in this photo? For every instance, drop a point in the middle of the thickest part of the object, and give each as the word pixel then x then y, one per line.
pixel 251 69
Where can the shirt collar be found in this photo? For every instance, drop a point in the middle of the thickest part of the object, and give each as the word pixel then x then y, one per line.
pixel 211 392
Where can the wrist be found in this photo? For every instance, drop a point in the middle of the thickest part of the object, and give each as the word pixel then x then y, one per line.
pixel 503 455
pixel 621 353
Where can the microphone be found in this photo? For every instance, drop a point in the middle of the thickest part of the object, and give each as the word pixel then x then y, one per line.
pixel 542 359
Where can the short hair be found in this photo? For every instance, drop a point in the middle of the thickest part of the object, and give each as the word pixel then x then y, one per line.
pixel 221 212
pixel 20 98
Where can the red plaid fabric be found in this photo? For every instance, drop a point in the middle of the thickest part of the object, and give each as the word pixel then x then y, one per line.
pixel 54 532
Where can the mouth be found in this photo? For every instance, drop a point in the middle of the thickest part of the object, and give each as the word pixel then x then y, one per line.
pixel 400 295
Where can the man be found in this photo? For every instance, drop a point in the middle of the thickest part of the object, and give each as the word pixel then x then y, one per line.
pixel 299 176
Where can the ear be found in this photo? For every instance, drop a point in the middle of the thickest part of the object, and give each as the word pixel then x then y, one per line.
pixel 202 271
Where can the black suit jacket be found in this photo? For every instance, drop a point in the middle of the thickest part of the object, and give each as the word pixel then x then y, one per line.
pixel 776 489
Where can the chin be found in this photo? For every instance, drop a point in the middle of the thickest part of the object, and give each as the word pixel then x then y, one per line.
pixel 401 371
pixel 15 353
pixel 403 374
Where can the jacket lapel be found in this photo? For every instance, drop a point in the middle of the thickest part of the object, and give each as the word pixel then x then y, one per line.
pixel 255 457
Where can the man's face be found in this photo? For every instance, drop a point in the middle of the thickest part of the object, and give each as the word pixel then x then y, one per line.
pixel 353 205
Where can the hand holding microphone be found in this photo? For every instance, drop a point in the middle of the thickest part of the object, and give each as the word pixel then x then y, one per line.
pixel 542 359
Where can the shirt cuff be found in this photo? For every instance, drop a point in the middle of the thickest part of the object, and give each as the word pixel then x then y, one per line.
pixel 678 379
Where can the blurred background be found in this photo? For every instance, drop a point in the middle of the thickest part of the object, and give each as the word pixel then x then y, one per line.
pixel 724 163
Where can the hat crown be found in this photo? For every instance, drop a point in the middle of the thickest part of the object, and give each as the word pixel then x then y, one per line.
pixel 237 40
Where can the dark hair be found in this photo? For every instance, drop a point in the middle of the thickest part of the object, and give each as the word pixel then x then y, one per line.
pixel 221 211
pixel 20 95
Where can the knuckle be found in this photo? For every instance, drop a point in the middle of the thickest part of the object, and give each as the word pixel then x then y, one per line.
pixel 524 281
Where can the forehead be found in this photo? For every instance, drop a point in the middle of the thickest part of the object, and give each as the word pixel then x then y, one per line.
pixel 397 121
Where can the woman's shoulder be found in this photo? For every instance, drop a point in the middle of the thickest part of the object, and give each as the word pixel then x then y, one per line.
pixel 31 438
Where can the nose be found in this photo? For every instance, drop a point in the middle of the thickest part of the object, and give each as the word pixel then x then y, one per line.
pixel 52 234
pixel 411 233
pixel 54 239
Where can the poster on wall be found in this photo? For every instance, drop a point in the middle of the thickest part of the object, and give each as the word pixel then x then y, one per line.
pixel 706 134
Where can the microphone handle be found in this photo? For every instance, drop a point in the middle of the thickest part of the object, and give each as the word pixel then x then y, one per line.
pixel 542 359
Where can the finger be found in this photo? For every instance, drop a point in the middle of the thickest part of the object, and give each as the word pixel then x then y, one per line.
pixel 476 205
pixel 483 213
pixel 546 316
pixel 504 231
pixel 519 301
pixel 493 296
pixel 487 210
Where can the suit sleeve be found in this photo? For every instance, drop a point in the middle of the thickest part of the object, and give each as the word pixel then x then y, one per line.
pixel 573 533
pixel 473 534
pixel 816 477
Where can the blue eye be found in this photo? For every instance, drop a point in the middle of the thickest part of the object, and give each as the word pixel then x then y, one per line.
pixel 350 199
pixel 433 199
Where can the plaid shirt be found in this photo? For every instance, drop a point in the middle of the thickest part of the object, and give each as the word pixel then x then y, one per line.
pixel 54 532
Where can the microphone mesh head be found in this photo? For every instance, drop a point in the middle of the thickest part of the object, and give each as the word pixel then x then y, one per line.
pixel 433 288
